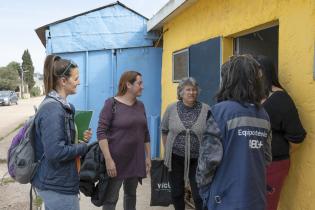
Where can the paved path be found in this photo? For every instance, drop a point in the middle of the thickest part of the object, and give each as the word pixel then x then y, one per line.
pixel 12 116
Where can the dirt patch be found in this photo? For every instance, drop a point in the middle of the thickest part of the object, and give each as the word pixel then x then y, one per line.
pixel 14 196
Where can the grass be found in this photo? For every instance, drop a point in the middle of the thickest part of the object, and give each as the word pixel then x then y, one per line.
pixel 6 181
pixel 38 201
pixel 18 127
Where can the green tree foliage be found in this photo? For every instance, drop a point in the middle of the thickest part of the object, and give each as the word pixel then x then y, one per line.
pixel 9 76
pixel 15 66
pixel 28 68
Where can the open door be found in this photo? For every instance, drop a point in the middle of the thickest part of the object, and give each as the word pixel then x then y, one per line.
pixel 263 42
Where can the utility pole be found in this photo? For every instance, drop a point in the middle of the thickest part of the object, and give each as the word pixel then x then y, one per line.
pixel 22 77
pixel 22 87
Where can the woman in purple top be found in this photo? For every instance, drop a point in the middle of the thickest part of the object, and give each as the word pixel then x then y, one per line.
pixel 124 140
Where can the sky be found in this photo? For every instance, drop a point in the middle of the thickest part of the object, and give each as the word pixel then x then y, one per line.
pixel 20 18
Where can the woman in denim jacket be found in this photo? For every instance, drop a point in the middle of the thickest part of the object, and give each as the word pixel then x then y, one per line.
pixel 57 178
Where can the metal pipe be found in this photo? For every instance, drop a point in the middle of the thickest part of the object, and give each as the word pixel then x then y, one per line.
pixel 86 82
pixel 114 70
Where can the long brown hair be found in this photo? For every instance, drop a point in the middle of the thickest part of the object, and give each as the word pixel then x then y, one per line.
pixel 241 80
pixel 127 76
pixel 270 73
pixel 56 67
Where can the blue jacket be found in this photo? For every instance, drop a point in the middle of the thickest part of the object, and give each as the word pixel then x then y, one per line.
pixel 239 179
pixel 54 137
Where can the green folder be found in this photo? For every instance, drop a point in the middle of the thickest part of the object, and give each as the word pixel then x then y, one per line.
pixel 82 121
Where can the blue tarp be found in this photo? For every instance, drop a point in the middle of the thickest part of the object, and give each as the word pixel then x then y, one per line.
pixel 113 27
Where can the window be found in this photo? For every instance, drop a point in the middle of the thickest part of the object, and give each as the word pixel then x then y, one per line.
pixel 180 65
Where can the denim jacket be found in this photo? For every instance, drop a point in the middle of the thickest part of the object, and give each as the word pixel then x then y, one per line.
pixel 54 141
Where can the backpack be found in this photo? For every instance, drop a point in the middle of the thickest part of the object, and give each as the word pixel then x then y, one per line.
pixel 21 154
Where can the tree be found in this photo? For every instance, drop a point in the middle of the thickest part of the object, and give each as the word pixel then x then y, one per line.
pixel 9 77
pixel 28 68
pixel 15 66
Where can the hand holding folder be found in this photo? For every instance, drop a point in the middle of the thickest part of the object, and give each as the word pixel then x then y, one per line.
pixel 82 120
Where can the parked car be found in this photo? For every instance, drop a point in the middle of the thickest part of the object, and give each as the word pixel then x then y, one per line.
pixel 8 97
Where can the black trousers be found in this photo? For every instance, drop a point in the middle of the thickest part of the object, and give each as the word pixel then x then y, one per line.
pixel 178 185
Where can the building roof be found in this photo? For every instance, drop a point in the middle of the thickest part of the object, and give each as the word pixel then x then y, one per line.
pixel 169 11
pixel 41 30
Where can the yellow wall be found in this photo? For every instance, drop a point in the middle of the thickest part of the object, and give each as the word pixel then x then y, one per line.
pixel 296 18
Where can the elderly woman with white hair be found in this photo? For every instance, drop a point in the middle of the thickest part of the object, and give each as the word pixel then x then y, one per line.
pixel 182 127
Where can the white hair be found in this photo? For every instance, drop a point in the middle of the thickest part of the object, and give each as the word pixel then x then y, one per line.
pixel 185 82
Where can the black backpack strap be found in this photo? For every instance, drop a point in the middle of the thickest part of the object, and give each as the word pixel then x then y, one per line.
pixel 114 109
pixel 114 105
pixel 31 198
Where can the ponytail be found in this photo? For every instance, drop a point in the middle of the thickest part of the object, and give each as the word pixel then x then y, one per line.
pixel 54 68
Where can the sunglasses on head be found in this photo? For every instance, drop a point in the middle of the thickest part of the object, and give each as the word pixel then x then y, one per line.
pixel 67 68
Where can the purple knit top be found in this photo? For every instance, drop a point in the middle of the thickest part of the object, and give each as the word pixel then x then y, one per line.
pixel 125 128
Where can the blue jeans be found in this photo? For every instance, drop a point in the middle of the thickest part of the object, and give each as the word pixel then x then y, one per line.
pixel 58 201
pixel 112 193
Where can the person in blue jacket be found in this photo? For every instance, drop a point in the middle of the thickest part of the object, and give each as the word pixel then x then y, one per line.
pixel 57 177
pixel 235 148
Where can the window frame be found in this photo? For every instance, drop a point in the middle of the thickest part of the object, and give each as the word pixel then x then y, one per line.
pixel 173 63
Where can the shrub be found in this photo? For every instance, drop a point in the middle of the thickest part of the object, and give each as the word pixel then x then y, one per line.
pixel 35 91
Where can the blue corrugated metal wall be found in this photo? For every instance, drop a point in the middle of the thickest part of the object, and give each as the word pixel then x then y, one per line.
pixel 148 62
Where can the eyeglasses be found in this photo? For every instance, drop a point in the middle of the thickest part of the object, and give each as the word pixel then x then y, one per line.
pixel 67 68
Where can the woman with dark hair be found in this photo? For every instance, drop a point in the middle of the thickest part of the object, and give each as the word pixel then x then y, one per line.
pixel 182 128
pixel 57 178
pixel 287 130
pixel 124 140
pixel 235 148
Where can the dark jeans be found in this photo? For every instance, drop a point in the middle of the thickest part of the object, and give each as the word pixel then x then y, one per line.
pixel 178 185
pixel 112 193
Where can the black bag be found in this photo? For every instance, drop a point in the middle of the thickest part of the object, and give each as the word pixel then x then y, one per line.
pixel 160 186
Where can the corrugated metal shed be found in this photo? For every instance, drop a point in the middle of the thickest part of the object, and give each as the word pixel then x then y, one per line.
pixel 105 42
